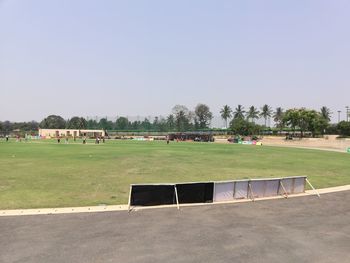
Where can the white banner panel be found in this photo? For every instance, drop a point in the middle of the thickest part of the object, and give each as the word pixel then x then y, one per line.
pixel 299 185
pixel 271 187
pixel 258 188
pixel 241 190
pixel 288 184
pixel 223 191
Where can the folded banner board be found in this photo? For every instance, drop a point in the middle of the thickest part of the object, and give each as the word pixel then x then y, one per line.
pixel 223 191
pixel 204 192
pixel 147 195
pixel 195 192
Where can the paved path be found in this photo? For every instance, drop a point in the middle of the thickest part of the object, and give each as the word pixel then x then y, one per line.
pixel 303 229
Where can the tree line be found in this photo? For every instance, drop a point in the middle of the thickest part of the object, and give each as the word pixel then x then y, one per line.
pixel 237 120
pixel 180 119
pixel 8 126
pixel 295 119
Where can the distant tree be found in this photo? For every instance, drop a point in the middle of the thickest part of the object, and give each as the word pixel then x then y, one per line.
pixel 162 125
pixel 203 115
pixel 317 124
pixel 180 108
pixel 33 126
pixel 332 129
pixel 135 125
pixel 344 128
pixel 182 117
pixel 266 112
pixel 181 121
pixel 122 123
pixel 278 117
pixel 7 126
pixel 170 121
pixel 25 126
pixel 53 122
pixel 326 113
pixel 252 114
pixel 92 124
pixel 305 120
pixel 155 124
pixel 239 112
pixel 76 123
pixel 291 118
pixel 105 124
pixel 226 113
pixel 243 127
pixel 146 125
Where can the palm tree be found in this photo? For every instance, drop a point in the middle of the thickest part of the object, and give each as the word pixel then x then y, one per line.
pixel 278 117
pixel 252 113
pixel 266 112
pixel 226 113
pixel 326 113
pixel 239 112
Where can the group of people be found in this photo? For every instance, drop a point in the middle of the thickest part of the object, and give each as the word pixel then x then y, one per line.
pixel 18 138
pixel 97 141
pixel 65 141
pixel 168 139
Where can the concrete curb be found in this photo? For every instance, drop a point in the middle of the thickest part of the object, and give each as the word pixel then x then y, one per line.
pixel 63 210
pixel 110 208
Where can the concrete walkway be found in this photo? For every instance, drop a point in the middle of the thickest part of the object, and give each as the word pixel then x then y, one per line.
pixel 304 229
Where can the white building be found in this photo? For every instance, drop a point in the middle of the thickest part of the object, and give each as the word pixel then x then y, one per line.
pixel 49 133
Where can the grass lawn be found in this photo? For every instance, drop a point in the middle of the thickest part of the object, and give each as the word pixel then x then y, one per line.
pixel 47 174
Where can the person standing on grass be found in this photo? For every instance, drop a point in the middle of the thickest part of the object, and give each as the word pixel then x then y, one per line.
pixel 84 140
pixel 7 138
pixel 58 139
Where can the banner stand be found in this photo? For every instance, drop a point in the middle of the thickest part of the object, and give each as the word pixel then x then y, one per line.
pixel 177 198
pixel 129 199
pixel 215 192
pixel 251 191
pixel 284 190
pixel 313 188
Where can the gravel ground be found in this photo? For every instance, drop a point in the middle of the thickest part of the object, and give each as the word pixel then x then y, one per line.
pixel 303 229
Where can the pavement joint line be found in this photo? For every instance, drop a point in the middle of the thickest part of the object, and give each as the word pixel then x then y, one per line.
pixel 110 208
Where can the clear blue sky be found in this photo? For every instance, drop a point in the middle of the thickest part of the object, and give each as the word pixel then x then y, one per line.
pixel 109 58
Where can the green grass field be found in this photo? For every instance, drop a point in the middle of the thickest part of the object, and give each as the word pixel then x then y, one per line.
pixel 46 174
